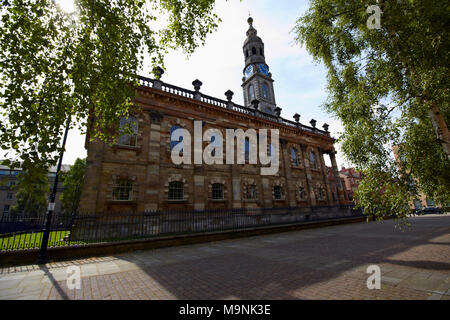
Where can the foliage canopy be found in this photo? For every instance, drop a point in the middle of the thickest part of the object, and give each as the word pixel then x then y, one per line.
pixel 56 67
pixel 72 182
pixel 389 87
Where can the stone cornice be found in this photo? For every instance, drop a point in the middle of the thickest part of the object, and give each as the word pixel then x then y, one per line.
pixel 202 108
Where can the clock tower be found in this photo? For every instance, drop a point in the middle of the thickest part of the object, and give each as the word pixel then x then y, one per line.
pixel 257 81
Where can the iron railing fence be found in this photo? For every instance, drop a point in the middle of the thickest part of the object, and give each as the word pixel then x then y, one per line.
pixel 14 223
pixel 23 233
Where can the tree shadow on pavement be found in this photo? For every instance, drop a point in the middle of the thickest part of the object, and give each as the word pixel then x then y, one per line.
pixel 319 263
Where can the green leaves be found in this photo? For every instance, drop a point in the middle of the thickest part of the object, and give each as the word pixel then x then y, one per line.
pixel 53 68
pixel 382 85
pixel 183 15
pixel 73 184
pixel 32 190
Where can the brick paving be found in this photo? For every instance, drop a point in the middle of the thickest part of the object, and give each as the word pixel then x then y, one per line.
pixel 325 263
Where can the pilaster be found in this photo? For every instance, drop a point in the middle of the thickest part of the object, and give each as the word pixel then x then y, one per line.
pixel 311 195
pixel 154 158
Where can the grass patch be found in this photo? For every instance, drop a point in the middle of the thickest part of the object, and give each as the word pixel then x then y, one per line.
pixel 33 240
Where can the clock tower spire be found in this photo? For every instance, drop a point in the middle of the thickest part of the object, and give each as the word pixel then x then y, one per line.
pixel 257 81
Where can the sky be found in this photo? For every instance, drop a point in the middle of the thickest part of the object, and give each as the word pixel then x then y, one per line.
pixel 300 82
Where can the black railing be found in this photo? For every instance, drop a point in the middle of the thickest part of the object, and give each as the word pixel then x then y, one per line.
pixel 22 233
pixel 147 82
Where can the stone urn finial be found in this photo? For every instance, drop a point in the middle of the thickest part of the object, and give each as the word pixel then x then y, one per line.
pixel 325 127
pixel 278 111
pixel 197 85
pixel 229 94
pixel 313 123
pixel 255 104
pixel 297 118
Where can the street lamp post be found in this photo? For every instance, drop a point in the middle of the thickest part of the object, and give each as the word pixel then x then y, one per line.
pixel 71 10
pixel 42 259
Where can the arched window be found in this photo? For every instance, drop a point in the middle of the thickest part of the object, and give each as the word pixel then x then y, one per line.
pixel 213 153
pixel 313 160
pixel 247 149
pixel 321 193
pixel 253 50
pixel 294 157
pixel 277 192
pixel 173 143
pixel 246 53
pixel 122 190
pixel 176 190
pixel 265 90
pixel 215 141
pixel 250 192
pixel 128 139
pixel 217 191
pixel 251 93
pixel 301 193
pixel 261 51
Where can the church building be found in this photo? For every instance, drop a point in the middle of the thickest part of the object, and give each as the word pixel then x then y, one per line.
pixel 137 173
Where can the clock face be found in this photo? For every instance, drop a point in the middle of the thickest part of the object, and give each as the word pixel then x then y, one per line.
pixel 263 69
pixel 249 71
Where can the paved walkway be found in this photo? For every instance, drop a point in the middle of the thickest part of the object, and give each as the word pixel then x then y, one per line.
pixel 326 263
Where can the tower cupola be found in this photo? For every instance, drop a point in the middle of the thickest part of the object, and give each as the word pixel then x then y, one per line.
pixel 257 81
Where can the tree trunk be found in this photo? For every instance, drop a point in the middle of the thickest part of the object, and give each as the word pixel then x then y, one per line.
pixel 442 133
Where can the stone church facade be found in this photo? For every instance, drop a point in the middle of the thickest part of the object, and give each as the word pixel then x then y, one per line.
pixel 137 173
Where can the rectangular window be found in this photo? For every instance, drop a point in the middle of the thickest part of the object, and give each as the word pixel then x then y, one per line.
pixel 9 172
pixel 176 190
pixel 9 196
pixel 277 193
pixel 122 190
pixel 217 191
pixel 6 209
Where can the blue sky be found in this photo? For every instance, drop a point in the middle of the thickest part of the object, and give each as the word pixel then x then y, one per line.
pixel 300 83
